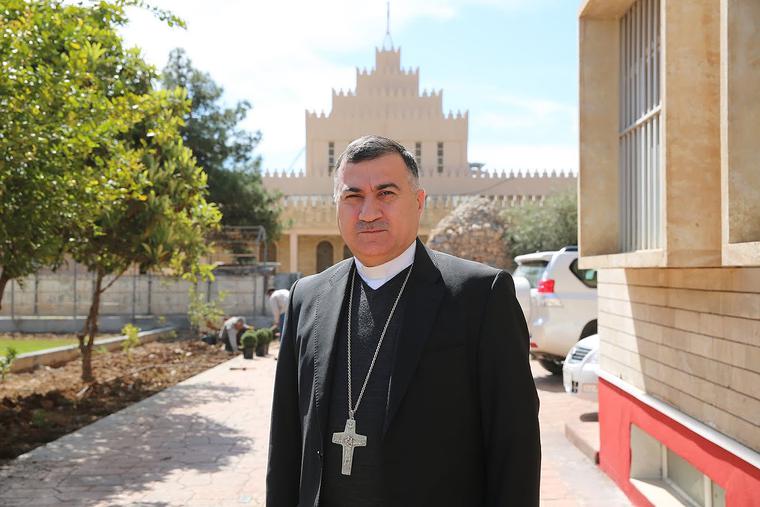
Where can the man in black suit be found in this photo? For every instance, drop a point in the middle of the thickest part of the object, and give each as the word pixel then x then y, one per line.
pixel 403 375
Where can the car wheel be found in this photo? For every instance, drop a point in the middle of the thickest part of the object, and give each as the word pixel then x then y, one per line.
pixel 551 366
pixel 588 329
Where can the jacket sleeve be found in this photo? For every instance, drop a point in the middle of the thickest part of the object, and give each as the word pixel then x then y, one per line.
pixel 283 470
pixel 508 400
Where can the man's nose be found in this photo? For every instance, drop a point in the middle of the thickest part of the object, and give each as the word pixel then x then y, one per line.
pixel 370 210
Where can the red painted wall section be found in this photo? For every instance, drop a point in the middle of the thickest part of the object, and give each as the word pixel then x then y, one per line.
pixel 618 410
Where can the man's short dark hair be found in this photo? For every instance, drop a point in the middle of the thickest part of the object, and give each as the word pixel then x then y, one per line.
pixel 270 290
pixel 372 147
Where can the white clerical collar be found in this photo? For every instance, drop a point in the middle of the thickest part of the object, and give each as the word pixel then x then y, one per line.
pixel 376 276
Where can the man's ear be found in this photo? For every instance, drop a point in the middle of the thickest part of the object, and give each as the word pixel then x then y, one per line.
pixel 421 200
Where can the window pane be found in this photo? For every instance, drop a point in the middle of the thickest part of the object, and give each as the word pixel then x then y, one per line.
pixel 718 496
pixel 688 479
pixel 587 276
pixel 531 271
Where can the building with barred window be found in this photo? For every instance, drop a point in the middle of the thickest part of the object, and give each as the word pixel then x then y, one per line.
pixel 670 217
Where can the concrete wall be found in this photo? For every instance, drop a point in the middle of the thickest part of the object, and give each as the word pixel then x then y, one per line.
pixel 67 294
pixel 690 337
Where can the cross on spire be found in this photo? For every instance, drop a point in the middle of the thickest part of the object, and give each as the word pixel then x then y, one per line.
pixel 388 38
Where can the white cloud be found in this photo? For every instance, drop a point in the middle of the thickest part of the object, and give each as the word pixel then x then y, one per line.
pixel 279 55
pixel 508 156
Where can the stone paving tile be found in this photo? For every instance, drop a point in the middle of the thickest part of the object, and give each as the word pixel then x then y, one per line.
pixel 203 443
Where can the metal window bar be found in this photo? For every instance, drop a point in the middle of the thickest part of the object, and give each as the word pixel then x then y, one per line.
pixel 639 128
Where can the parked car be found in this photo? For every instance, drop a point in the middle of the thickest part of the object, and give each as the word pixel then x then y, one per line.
pixel 562 310
pixel 530 268
pixel 580 371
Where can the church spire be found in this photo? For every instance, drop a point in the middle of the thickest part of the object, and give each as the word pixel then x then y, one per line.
pixel 388 39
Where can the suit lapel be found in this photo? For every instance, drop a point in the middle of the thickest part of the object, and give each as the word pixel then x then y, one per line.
pixel 426 291
pixel 327 313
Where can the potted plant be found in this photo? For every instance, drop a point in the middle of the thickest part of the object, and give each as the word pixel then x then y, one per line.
pixel 249 341
pixel 263 337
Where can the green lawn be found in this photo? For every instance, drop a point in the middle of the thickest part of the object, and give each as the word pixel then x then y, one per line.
pixel 23 346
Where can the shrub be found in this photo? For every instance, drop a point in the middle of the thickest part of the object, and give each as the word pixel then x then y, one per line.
pixel 250 338
pixel 132 340
pixel 201 312
pixel 6 361
pixel 265 336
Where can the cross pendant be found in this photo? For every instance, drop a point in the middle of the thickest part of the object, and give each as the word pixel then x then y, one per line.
pixel 349 440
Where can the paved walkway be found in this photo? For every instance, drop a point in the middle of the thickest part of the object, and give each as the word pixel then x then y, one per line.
pixel 568 477
pixel 204 443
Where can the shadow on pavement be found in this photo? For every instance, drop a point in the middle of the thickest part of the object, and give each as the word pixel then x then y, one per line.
pixel 126 451
pixel 551 383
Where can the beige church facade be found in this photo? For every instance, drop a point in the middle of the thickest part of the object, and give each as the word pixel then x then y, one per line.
pixel 387 101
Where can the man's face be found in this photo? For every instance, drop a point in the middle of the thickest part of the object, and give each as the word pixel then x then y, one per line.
pixel 378 208
pixel 239 325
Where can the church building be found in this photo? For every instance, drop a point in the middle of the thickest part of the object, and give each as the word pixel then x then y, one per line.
pixel 386 101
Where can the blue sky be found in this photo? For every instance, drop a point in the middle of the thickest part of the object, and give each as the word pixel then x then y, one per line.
pixel 511 63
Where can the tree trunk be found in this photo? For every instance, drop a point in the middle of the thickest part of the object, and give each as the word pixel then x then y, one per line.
pixel 87 336
pixel 4 279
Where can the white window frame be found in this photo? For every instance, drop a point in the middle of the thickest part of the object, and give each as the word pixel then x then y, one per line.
pixel 651 478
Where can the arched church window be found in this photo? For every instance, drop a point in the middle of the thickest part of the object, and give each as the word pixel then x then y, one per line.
pixel 324 255
pixel 440 157
pixel 418 154
pixel 330 157
pixel 347 252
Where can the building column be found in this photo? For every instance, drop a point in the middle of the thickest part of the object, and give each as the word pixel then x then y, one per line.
pixel 293 252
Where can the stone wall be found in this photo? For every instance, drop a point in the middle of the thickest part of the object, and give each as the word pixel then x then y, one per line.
pixel 474 230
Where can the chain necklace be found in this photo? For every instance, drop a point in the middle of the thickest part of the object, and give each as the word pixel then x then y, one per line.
pixel 348 438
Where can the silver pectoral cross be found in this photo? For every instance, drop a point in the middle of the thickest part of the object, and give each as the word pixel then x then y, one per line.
pixel 349 440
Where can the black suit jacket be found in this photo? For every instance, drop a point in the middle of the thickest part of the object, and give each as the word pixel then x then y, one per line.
pixel 462 421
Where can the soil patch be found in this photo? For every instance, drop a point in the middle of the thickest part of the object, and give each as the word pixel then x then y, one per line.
pixel 42 405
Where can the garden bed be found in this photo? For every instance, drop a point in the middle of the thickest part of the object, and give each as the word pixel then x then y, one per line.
pixel 39 406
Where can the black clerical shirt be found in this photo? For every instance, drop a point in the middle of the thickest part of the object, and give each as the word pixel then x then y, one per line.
pixel 370 312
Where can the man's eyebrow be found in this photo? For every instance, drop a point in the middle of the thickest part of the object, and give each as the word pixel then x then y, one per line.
pixel 381 186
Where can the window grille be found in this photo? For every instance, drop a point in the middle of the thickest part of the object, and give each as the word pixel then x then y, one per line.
pixel 440 157
pixel 418 154
pixel 640 128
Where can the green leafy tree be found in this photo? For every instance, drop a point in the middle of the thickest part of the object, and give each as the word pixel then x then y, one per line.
pixel 548 225
pixel 158 218
pixel 65 82
pixel 222 148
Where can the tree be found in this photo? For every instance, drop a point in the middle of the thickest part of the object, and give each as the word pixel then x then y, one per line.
pixel 158 217
pixel 548 225
pixel 67 88
pixel 222 148
pixel 62 98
